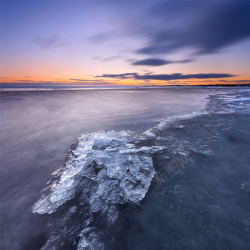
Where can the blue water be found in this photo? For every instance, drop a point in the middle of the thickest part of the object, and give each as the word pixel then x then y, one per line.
pixel 204 206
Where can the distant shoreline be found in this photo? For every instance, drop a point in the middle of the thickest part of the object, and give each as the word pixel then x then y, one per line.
pixel 119 88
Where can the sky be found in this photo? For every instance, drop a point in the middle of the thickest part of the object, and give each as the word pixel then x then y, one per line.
pixel 101 43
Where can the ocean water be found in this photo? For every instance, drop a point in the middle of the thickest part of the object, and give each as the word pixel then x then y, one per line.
pixel 148 169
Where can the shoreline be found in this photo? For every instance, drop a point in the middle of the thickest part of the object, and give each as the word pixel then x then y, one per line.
pixel 128 88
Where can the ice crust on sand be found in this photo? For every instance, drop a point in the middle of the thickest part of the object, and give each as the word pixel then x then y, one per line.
pixel 117 170
pixel 105 169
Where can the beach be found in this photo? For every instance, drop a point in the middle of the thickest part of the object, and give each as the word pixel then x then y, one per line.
pixel 193 141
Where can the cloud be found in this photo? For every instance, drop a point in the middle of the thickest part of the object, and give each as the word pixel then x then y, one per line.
pixel 236 81
pixel 52 84
pixel 84 82
pixel 27 84
pixel 158 62
pixel 102 37
pixel 81 80
pixel 26 81
pixel 119 76
pixel 107 59
pixel 48 42
pixel 207 27
pixel 111 58
pixel 151 62
pixel 166 77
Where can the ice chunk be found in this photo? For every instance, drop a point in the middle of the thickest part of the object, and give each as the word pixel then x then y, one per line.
pixel 106 168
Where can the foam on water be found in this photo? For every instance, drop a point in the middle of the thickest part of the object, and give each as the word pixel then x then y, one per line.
pixel 233 101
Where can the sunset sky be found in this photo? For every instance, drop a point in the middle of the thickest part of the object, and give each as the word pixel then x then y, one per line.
pixel 119 43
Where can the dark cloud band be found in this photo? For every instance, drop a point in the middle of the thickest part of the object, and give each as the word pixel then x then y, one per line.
pixel 165 77
pixel 221 24
pixel 157 62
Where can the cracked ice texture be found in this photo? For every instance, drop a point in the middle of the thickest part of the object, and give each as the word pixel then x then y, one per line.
pixel 107 168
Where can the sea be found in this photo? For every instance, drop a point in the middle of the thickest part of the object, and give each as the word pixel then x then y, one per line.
pixel 125 169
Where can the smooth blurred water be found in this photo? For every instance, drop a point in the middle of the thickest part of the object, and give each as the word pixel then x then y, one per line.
pixel 38 127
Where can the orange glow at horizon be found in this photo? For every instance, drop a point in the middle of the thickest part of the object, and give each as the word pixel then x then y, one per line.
pixel 74 43
pixel 95 82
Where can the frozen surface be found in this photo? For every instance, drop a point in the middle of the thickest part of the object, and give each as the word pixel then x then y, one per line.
pixel 106 169
pixel 37 129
